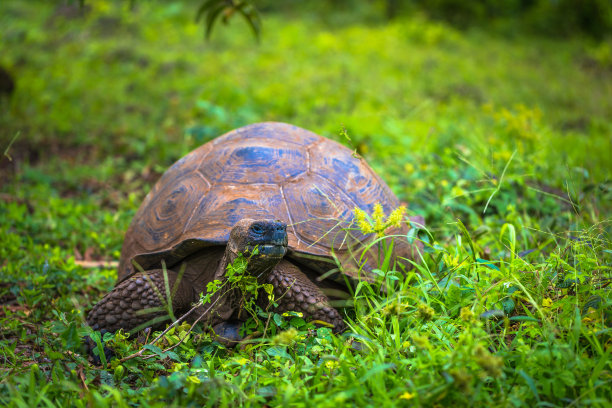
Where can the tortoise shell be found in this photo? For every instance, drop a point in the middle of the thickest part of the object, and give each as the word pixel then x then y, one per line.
pixel 262 171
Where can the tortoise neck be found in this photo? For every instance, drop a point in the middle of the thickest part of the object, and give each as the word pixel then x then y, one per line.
pixel 257 265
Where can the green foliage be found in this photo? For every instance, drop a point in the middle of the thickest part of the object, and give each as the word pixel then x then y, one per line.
pixel 562 17
pixel 237 279
pixel 225 9
pixel 501 143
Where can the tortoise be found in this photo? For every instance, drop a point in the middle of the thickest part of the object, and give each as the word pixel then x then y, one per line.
pixel 278 195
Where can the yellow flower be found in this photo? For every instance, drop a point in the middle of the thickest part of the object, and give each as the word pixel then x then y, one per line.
pixel 452 261
pixel 193 379
pixel 378 215
pixel 421 341
pixel 292 314
pixel 362 221
pixel 331 364
pixel 241 361
pixel 547 302
pixel 409 167
pixel 396 217
pixel 407 396
pixel 463 380
pixel 466 314
pixel 491 364
pixel 457 191
pixel 426 312
pixel 377 222
pixel 179 366
pixel 285 338
pixel 393 308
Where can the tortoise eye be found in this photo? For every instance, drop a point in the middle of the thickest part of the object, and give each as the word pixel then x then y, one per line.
pixel 258 229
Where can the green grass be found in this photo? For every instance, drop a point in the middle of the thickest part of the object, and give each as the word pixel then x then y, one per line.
pixel 501 142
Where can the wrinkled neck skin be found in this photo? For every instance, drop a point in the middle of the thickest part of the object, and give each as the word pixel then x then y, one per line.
pixel 228 302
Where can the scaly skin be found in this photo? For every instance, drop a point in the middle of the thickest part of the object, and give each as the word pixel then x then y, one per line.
pixel 125 306
pixel 293 291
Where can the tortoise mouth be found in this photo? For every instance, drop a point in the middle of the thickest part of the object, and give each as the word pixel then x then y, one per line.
pixel 269 250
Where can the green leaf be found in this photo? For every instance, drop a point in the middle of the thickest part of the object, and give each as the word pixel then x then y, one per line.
pixel 603 361
pixel 268 391
pixel 211 10
pixel 211 18
pixel 154 349
pixel 568 378
pixel 488 264
pixel 523 319
pixel 489 314
pixel 567 283
pixel 99 350
pixel 172 355
pixel 499 184
pixel 511 240
pixel 530 383
pixel 508 305
pixel 577 326
pixel 251 15
pixel 592 302
pixel 297 322
pixel 278 351
pixel 375 370
pixel 467 236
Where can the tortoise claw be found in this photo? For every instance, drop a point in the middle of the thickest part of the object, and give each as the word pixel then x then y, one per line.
pixel 91 345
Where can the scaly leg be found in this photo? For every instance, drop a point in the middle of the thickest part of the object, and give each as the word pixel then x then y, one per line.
pixel 125 307
pixel 293 291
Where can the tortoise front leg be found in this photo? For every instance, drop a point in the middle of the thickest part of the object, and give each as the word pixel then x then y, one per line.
pixel 293 291
pixel 134 302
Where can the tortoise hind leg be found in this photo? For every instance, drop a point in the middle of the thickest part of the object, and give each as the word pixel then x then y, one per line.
pixel 134 303
pixel 293 291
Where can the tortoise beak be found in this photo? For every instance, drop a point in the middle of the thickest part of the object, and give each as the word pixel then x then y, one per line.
pixel 274 251
pixel 278 234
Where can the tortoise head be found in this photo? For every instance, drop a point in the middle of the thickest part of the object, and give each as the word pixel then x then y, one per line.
pixel 264 242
